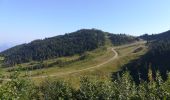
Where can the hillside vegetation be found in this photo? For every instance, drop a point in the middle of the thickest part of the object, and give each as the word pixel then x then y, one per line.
pixel 64 45
pixel 99 63
pixel 89 65
pixel 157 57
pixel 122 88
pixel 120 39
pixel 157 37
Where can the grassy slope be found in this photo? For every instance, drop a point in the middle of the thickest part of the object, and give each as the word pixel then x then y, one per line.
pixel 126 54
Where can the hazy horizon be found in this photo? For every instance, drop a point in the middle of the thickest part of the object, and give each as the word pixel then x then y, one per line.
pixel 25 20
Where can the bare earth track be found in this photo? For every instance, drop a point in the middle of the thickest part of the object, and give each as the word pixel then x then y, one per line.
pixel 116 55
pixel 85 69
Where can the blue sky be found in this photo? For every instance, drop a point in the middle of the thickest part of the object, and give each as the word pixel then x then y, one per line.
pixel 25 20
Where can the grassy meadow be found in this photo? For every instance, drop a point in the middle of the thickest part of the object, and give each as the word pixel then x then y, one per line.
pixel 71 68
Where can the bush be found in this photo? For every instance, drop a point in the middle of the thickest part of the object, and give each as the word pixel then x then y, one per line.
pixel 94 90
pixel 56 90
pixel 122 88
pixel 18 89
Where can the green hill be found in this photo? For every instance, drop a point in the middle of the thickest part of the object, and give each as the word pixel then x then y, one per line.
pixel 63 45
pixel 156 37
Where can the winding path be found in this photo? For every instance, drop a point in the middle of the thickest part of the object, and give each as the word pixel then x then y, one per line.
pixel 75 71
pixel 93 67
pixel 85 69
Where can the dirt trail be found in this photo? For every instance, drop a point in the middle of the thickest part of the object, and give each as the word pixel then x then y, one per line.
pixel 93 67
pixel 77 71
pixel 89 68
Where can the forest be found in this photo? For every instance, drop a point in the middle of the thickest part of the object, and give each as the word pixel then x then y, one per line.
pixel 120 39
pixel 159 36
pixel 157 57
pixel 63 45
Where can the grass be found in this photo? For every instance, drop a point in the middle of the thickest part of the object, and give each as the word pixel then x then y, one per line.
pixel 1 58
pixel 126 54
pixel 93 59
pixel 96 54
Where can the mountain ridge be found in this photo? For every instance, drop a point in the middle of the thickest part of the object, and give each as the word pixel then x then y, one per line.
pixel 63 45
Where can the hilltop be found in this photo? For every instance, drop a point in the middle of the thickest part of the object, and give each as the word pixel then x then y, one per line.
pixel 63 45
pixel 79 48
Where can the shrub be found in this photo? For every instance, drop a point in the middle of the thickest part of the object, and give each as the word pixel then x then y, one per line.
pixel 56 90
pixel 18 89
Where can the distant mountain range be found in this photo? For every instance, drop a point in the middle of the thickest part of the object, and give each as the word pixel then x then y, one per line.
pixel 5 46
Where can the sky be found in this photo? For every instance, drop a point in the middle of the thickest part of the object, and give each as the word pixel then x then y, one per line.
pixel 22 21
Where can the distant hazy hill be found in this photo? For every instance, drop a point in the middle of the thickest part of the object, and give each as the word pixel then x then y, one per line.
pixel 63 45
pixel 4 47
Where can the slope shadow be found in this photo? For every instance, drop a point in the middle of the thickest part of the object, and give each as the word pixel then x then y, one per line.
pixel 139 68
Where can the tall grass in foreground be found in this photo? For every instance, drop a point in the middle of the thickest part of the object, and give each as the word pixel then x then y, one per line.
pixel 123 88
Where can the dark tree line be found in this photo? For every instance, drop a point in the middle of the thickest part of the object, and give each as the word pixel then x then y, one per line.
pixel 157 57
pixel 119 39
pixel 155 37
pixel 64 45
